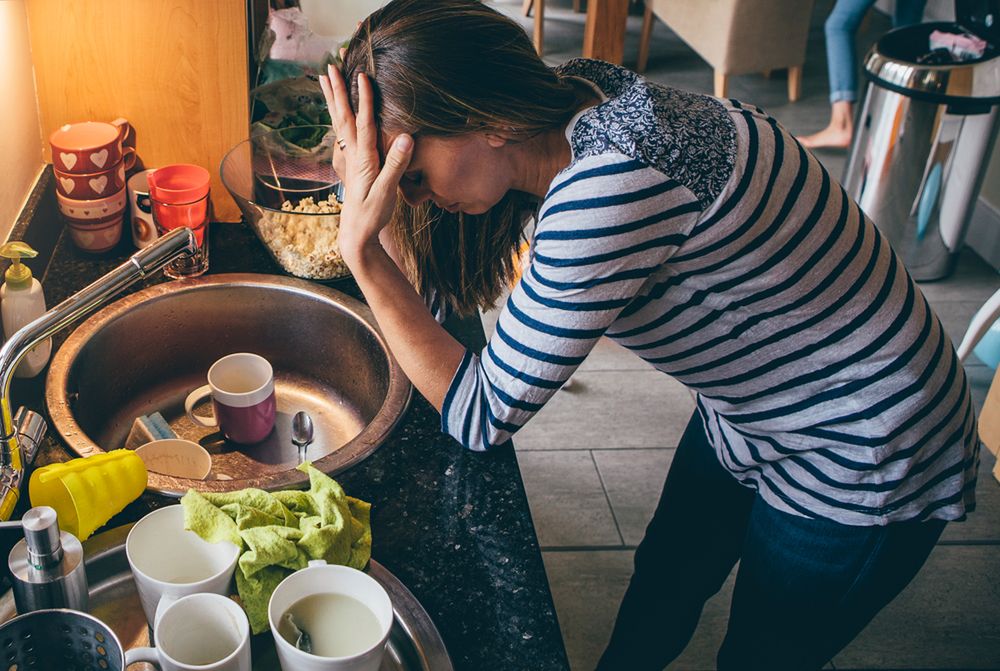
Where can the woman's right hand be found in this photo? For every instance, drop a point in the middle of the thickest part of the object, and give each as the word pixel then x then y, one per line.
pixel 369 183
pixel 339 162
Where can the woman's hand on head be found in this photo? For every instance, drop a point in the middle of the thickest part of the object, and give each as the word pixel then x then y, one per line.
pixel 370 186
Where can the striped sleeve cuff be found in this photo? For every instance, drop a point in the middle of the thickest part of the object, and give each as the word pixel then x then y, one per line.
pixel 448 408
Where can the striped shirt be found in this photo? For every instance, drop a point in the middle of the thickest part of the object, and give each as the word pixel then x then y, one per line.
pixel 699 234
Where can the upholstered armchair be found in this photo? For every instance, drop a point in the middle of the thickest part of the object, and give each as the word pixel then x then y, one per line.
pixel 737 36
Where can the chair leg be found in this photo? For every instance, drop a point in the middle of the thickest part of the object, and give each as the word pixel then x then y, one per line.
pixel 539 25
pixel 794 83
pixel 721 84
pixel 526 7
pixel 647 31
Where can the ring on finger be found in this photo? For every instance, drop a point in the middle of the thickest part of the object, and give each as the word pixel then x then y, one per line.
pixel 342 144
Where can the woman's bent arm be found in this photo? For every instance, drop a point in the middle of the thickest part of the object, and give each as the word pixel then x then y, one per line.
pixel 426 352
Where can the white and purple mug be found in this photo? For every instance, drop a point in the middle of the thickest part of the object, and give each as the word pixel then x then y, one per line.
pixel 242 389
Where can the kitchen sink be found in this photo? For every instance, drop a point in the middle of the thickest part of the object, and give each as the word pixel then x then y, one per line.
pixel 146 352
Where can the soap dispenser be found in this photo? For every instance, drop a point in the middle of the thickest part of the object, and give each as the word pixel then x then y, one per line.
pixel 22 302
pixel 47 566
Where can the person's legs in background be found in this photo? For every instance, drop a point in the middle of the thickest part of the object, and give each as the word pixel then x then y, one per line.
pixel 689 549
pixel 840 28
pixel 806 587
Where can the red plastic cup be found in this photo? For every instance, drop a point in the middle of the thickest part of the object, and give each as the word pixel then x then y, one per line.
pixel 169 216
pixel 180 183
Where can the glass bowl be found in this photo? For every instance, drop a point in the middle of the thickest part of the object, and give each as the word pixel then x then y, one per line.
pixel 284 184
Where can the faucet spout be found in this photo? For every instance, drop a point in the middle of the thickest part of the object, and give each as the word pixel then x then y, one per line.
pixel 146 261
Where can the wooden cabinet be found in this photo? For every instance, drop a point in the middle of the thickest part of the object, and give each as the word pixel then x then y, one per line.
pixel 176 69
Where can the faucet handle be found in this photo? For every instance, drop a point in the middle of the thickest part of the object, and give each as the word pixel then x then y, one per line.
pixel 31 429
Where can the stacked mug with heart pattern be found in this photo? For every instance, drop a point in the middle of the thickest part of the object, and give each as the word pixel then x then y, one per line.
pixel 90 160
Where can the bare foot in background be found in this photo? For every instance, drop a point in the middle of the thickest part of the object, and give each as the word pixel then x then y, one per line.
pixel 838 134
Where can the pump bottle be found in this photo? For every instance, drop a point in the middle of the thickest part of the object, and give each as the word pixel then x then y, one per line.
pixel 22 302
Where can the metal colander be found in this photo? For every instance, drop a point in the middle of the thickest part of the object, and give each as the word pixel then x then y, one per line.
pixel 59 639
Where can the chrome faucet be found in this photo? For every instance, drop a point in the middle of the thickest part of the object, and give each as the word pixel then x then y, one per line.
pixel 25 426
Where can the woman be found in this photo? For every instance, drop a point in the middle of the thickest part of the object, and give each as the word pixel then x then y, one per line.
pixel 834 435
pixel 840 28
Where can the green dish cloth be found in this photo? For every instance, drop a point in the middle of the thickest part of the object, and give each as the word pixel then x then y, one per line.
pixel 281 532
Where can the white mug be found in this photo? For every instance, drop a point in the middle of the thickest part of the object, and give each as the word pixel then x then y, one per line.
pixel 203 632
pixel 141 210
pixel 169 562
pixel 323 578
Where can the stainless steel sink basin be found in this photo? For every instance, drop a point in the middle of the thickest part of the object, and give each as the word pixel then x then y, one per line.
pixel 147 351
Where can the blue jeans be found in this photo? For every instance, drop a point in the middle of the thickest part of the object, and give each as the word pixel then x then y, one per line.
pixel 840 28
pixel 804 588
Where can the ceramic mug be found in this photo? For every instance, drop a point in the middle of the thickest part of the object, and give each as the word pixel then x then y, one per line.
pixel 323 578
pixel 87 186
pixel 141 210
pixel 84 210
pixel 169 562
pixel 95 226
pixel 199 632
pixel 242 389
pixel 96 236
pixel 90 146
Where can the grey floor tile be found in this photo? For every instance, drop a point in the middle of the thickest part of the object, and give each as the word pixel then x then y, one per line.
pixel 955 317
pixel 610 409
pixel 946 619
pixel 984 523
pixel 701 651
pixel 609 355
pixel 974 280
pixel 942 621
pixel 980 378
pixel 567 501
pixel 633 480
pixel 587 588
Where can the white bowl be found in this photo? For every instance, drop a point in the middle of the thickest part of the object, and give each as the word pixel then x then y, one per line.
pixel 177 457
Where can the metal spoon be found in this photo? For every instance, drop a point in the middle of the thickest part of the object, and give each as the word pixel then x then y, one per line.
pixel 302 640
pixel 302 432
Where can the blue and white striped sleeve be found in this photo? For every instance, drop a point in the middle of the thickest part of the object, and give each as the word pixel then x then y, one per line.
pixel 604 227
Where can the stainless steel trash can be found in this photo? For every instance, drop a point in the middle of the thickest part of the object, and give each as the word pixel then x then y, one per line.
pixel 923 141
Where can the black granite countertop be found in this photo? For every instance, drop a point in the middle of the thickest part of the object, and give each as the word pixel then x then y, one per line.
pixel 452 525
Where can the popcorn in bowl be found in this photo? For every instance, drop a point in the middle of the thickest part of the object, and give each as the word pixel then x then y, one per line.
pixel 303 237
pixel 284 184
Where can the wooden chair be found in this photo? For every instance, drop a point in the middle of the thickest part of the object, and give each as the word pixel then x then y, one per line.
pixel 737 36
pixel 537 33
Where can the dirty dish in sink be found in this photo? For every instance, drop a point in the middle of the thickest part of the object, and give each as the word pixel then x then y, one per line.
pixel 151 348
pixel 177 457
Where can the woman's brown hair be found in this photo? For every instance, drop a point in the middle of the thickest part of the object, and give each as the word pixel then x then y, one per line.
pixel 445 68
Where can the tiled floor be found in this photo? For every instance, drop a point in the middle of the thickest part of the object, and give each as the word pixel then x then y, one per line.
pixel 595 458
